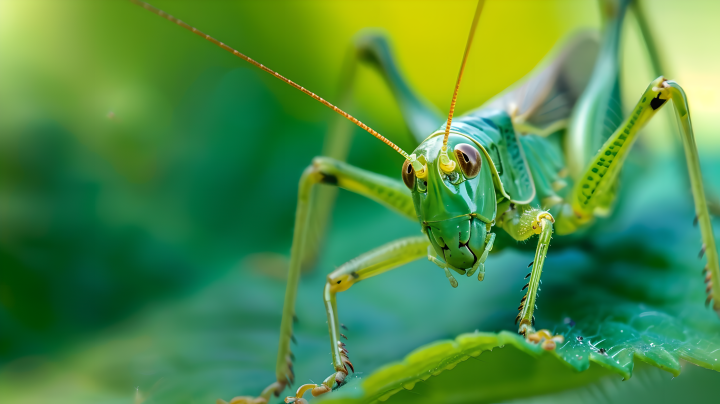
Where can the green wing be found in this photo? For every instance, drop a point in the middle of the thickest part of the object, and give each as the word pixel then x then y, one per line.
pixel 541 103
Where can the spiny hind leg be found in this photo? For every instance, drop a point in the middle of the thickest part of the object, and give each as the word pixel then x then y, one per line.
pixel 391 193
pixel 521 223
pixel 603 171
pixel 375 262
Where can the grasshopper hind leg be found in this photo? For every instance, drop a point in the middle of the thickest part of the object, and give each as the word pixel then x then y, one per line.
pixel 602 172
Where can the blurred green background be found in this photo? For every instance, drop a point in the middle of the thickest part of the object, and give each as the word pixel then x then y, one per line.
pixel 148 182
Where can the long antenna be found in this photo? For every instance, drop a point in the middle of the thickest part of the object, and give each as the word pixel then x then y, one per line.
pixel 274 73
pixel 445 163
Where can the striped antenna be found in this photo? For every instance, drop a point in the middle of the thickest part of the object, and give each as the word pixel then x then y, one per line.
pixel 275 74
pixel 476 18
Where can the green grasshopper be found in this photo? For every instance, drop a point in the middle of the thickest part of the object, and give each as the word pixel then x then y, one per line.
pixel 542 157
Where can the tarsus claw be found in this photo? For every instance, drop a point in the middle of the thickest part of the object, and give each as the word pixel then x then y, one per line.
pixel 317 389
pixel 545 338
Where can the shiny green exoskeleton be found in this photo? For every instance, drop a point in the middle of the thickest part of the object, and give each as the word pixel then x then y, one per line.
pixel 458 209
pixel 542 157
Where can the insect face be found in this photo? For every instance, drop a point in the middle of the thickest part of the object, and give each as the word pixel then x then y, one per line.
pixel 454 208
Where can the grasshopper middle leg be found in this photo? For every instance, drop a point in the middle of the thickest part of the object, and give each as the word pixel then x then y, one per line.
pixel 521 223
pixel 375 262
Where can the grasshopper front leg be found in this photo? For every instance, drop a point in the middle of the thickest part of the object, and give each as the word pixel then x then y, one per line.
pixel 521 223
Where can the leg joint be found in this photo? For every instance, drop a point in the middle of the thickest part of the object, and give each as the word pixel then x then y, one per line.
pixel 323 170
pixel 340 282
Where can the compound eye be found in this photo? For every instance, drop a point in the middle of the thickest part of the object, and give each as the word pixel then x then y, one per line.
pixel 408 174
pixel 469 159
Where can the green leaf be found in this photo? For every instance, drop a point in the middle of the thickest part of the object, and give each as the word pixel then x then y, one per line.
pixel 657 338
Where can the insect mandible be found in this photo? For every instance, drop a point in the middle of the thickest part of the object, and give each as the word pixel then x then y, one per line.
pixel 541 158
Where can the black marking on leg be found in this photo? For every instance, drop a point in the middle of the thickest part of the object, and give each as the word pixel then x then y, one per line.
pixel 528 275
pixel 529 265
pixel 292 356
pixel 525 287
pixel 657 102
pixel 695 221
pixel 579 338
pixel 344 327
pixel 328 179
pixel 292 337
pixel 603 351
pixel 295 319
pixel 533 321
pixel 709 287
pixel 702 251
pixel 343 335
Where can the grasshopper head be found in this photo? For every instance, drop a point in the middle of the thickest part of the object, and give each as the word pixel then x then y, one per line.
pixel 455 208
